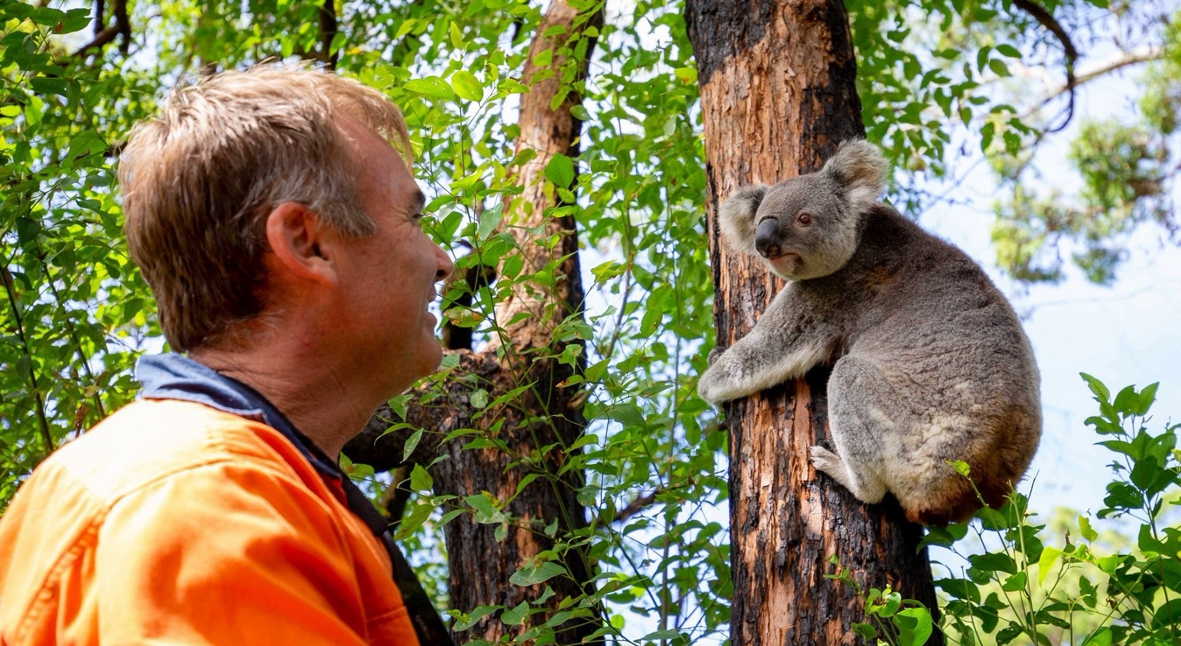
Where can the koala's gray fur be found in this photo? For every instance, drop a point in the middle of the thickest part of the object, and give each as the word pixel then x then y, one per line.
pixel 933 364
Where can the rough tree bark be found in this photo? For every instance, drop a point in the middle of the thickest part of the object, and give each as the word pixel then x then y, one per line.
pixel 545 414
pixel 777 97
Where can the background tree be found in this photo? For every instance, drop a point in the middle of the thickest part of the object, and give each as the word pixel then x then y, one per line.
pixel 935 78
pixel 516 393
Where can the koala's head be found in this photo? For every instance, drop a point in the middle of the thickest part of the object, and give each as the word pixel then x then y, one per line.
pixel 807 226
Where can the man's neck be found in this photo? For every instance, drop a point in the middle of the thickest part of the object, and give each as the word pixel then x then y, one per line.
pixel 322 400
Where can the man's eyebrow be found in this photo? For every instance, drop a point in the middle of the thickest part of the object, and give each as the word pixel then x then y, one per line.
pixel 419 200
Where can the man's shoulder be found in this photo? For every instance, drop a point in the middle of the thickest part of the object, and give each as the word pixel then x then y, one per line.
pixel 148 440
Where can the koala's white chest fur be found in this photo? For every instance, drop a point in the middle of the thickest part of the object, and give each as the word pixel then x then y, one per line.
pixel 936 367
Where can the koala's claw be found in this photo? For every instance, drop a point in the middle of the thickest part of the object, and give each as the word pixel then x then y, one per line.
pixel 826 461
pixel 714 354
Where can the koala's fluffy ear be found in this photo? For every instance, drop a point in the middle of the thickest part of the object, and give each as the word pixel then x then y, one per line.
pixel 736 217
pixel 860 168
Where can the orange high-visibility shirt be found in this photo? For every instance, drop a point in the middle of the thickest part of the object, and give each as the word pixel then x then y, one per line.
pixel 175 523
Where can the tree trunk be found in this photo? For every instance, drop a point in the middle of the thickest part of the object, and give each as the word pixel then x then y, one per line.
pixel 536 426
pixel 777 97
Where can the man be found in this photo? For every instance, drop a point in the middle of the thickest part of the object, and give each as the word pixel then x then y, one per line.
pixel 279 231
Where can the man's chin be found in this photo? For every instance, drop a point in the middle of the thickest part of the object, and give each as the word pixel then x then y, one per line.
pixel 433 356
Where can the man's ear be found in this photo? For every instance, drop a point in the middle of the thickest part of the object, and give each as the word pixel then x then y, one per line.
pixel 860 169
pixel 736 217
pixel 301 243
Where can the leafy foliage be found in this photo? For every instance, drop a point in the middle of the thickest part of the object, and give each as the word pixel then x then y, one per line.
pixel 75 309
pixel 651 466
pixel 1029 587
pixel 1126 168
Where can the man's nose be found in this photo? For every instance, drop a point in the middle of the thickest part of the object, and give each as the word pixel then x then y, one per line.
pixel 767 238
pixel 445 264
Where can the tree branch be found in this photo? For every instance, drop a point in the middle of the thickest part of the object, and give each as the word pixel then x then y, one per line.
pixel 105 35
pixel 1124 59
pixel 634 507
pixel 397 496
pixel 1047 20
pixel 328 31
pixel 42 420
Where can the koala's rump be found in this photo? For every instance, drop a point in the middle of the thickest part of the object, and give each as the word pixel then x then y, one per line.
pixel 963 374
pixel 943 412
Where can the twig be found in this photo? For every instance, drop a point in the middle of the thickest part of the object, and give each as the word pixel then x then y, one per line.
pixel 634 507
pixel 1124 59
pixel 73 335
pixel 46 436
pixel 1046 19
pixel 104 35
pixel 328 31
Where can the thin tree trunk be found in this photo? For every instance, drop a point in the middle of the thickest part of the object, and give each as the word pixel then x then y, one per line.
pixel 544 415
pixel 777 97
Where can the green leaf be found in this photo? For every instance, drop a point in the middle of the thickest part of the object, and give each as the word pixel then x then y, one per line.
pixel 628 414
pixel 1096 386
pixel 529 477
pixel 405 28
pixel 960 589
pixel 914 626
pixel 431 86
pixel 456 36
pixel 544 58
pixel 476 615
pixel 532 575
pixel 560 170
pixel 1015 582
pixel 994 562
pixel 1126 400
pixel 1008 50
pixel 893 603
pixel 1167 615
pixel 865 631
pixel 1101 637
pixel 414 520
pixel 467 86
pixel 411 444
pixel 75 20
pixel 516 615
pixel 420 479
pixel 1049 556
pixel 489 220
pixel 43 85
pixel 1145 400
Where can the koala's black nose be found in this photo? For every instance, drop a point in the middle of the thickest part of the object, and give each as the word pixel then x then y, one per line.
pixel 767 238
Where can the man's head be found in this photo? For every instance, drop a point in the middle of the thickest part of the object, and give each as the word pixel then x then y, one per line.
pixel 273 191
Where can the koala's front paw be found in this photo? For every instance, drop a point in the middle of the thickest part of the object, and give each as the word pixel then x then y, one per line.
pixel 827 461
pixel 707 386
pixel 714 354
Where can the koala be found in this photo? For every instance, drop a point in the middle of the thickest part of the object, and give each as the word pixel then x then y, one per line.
pixel 932 365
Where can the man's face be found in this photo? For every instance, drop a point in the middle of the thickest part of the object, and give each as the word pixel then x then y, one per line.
pixel 387 280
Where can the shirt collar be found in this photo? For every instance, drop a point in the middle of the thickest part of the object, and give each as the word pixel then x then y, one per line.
pixel 174 376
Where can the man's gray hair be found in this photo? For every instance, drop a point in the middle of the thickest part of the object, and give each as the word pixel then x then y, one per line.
pixel 199 180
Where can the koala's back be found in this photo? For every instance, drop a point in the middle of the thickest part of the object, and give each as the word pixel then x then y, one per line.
pixel 951 347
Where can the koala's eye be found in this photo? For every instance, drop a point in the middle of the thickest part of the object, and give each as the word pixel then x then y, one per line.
pixel 804 218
